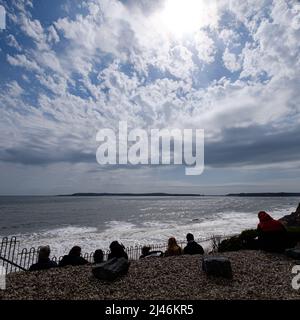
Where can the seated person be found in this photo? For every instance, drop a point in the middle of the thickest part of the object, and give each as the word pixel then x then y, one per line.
pixel 44 261
pixel 117 250
pixel 272 235
pixel 73 258
pixel 192 246
pixel 173 248
pixel 98 256
pixel 147 253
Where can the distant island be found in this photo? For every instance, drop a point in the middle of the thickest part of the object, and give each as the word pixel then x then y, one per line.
pixel 265 194
pixel 157 194
pixel 164 194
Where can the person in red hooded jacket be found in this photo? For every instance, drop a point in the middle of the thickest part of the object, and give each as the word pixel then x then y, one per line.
pixel 272 235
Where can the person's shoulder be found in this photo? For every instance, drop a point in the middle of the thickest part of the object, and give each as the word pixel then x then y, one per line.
pixel 83 260
pixel 33 267
pixel 53 263
pixel 198 246
pixel 179 250
pixel 63 260
pixel 125 255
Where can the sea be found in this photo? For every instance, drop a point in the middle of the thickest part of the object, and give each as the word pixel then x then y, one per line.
pixel 93 222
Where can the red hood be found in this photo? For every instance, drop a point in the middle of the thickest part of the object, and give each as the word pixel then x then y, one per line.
pixel 267 223
pixel 264 217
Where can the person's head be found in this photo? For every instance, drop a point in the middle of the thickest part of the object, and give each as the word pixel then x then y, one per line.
pixel 75 251
pixel 114 244
pixel 145 250
pixel 98 256
pixel 263 216
pixel 44 252
pixel 190 237
pixel 172 242
pixel 116 247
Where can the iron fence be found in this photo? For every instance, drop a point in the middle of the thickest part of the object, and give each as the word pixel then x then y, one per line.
pixel 14 259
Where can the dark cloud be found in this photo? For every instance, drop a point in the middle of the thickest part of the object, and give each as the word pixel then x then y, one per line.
pixel 33 157
pixel 253 146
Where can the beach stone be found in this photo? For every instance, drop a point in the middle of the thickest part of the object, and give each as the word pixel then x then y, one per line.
pixel 111 269
pixel 217 266
pixel 293 253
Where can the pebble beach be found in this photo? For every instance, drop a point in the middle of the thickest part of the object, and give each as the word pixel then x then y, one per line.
pixel 256 275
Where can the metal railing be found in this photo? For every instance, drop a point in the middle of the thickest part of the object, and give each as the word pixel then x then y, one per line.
pixel 14 259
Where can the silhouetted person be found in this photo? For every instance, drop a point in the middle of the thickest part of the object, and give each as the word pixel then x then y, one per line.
pixel 117 250
pixel 73 258
pixel 173 248
pixel 192 246
pixel 147 253
pixel 44 261
pixel 272 235
pixel 98 256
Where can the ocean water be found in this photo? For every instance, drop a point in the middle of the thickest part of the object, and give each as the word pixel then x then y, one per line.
pixel 93 222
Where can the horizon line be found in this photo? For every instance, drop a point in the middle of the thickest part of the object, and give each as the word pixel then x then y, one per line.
pixel 93 194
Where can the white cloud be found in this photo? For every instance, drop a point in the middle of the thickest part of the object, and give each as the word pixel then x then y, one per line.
pixel 32 28
pixel 85 96
pixel 53 37
pixel 230 37
pixel 12 42
pixel 180 63
pixel 14 89
pixel 276 41
pixel 231 61
pixel 57 84
pixel 21 60
pixel 205 47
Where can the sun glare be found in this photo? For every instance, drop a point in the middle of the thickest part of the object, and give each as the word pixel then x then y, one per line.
pixel 186 16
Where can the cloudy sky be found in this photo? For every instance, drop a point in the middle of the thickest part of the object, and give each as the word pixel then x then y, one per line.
pixel 70 68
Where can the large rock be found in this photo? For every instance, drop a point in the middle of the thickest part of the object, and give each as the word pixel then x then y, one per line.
pixel 111 269
pixel 293 219
pixel 217 266
pixel 293 253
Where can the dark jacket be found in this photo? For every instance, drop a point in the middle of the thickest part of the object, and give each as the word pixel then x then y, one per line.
pixel 117 250
pixel 70 260
pixel 272 235
pixel 193 247
pixel 117 254
pixel 43 264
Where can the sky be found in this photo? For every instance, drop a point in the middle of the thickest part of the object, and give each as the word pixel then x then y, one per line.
pixel 69 68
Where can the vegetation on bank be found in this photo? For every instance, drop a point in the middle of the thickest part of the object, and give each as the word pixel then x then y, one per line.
pixel 246 240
